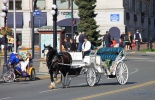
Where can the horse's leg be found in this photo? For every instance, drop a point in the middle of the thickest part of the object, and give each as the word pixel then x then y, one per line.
pixel 58 79
pixel 52 85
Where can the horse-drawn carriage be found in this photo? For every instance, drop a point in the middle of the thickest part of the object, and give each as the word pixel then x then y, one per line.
pixel 108 61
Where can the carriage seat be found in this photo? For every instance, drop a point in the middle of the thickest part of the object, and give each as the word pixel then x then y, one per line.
pixel 109 53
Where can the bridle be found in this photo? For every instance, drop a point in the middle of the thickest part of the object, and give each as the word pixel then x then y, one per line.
pixel 52 60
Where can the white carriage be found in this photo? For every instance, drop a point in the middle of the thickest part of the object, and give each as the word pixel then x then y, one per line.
pixel 108 61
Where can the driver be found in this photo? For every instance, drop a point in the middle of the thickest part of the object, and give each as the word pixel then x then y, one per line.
pixel 13 59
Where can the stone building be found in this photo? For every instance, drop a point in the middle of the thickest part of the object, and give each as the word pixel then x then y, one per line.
pixel 119 16
pixel 115 16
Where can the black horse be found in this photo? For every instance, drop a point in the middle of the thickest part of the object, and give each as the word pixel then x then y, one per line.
pixel 57 62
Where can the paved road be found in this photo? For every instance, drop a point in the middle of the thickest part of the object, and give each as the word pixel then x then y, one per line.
pixel 140 86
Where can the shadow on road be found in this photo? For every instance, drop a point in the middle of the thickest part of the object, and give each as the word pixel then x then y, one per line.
pixel 114 83
pixel 20 80
pixel 102 84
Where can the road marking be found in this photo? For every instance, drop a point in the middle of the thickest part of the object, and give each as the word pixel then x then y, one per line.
pixel 82 84
pixel 48 91
pixel 5 98
pixel 116 91
pixel 134 71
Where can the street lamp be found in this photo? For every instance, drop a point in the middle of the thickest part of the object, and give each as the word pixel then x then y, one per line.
pixel 54 12
pixel 148 37
pixel 34 5
pixel 72 28
pixel 14 25
pixel 4 14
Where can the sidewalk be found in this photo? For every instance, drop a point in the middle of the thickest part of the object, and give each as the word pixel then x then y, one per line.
pixel 142 47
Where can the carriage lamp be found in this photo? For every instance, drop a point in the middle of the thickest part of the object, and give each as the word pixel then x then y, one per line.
pixel 4 14
pixel 54 13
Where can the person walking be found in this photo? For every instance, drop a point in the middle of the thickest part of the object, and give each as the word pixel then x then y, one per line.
pixel 127 41
pixel 137 39
pixel 77 40
pixel 130 40
pixel 107 39
pixel 81 40
pixel 122 38
pixel 86 47
pixel 17 42
pixel 121 43
pixel 10 43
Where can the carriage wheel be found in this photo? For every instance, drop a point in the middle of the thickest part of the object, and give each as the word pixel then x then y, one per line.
pixel 33 75
pixel 66 80
pixel 98 77
pixel 122 73
pixel 91 77
pixel 9 76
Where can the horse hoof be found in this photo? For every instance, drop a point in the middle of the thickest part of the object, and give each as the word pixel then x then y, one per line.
pixel 64 86
pixel 52 86
pixel 58 81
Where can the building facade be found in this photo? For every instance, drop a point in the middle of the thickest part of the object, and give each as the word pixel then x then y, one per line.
pixel 115 16
pixel 126 15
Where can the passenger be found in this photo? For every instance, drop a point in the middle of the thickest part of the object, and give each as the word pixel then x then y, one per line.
pixel 113 43
pixel 25 63
pixel 86 47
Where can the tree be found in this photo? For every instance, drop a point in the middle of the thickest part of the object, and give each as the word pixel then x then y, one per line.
pixel 87 22
pixel 6 31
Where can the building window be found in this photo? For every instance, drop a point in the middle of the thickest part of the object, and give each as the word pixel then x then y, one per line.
pixel 41 5
pixel 18 5
pixel 132 5
pixel 138 4
pixel 19 35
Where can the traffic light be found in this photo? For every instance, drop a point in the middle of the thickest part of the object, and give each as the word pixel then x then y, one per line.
pixel 74 21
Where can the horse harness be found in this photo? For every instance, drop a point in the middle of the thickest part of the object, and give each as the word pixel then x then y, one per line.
pixel 56 58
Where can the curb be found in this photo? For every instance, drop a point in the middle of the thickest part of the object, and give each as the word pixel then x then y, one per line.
pixel 150 52
pixel 136 52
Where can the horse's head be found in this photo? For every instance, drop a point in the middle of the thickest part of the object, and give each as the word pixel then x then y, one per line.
pixel 49 52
